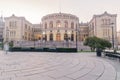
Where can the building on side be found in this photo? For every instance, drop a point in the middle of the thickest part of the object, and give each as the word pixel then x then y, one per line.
pixel 118 37
pixel 83 31
pixel 37 33
pixel 104 26
pixel 2 25
pixel 17 29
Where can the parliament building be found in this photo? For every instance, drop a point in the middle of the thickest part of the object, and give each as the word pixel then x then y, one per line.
pixel 59 28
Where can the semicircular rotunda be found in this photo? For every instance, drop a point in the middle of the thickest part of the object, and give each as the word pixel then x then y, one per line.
pixel 60 27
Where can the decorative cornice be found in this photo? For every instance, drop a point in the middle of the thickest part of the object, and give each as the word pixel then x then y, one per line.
pixel 106 14
pixel 16 17
pixel 13 16
pixel 60 15
pixel 101 15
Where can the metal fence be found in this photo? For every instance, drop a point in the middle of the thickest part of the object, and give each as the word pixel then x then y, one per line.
pixel 51 44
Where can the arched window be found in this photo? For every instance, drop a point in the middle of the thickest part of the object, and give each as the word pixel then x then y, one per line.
pixel 58 37
pixel 66 24
pixel 65 36
pixel 58 23
pixel 45 37
pixel 72 25
pixel 51 24
pixel 72 37
pixel 45 25
pixel 51 36
pixel 39 38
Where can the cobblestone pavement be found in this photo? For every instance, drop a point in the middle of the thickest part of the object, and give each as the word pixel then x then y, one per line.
pixel 115 63
pixel 54 66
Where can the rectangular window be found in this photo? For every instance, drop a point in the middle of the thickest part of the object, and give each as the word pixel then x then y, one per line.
pixel 102 21
pixel 10 24
pixel 106 21
pixel 109 21
pixel 13 24
pixel 25 26
pixel 14 33
pixel 104 32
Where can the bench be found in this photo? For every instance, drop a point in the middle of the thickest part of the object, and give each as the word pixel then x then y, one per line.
pixel 112 53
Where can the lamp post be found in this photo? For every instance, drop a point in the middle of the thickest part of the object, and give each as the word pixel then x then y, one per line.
pixel 2 42
pixel 6 45
pixel 76 39
pixel 112 35
pixel 43 38
pixel 68 39
pixel 34 37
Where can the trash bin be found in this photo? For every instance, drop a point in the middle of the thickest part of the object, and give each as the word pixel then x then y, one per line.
pixel 98 52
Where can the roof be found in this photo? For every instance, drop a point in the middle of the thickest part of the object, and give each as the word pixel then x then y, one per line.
pixel 104 14
pixel 60 15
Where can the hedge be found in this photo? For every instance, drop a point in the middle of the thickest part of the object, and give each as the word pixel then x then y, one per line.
pixel 32 49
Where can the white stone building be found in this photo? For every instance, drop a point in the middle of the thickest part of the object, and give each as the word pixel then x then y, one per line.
pixel 2 25
pixel 37 33
pixel 83 31
pixel 104 26
pixel 60 27
pixel 118 37
pixel 17 29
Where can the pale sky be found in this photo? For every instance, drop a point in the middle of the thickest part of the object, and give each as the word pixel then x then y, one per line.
pixel 34 10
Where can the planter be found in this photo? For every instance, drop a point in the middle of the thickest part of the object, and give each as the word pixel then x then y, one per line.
pixel 98 52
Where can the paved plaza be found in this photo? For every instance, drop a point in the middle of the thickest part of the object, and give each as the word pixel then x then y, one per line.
pixel 55 66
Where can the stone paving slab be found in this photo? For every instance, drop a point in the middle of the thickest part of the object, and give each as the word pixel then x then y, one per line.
pixel 54 66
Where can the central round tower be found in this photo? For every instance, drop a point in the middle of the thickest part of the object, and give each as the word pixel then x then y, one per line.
pixel 60 27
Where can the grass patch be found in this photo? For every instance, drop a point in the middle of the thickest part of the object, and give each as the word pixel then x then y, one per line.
pixel 85 51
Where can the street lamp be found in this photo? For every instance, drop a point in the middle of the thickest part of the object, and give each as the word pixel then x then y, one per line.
pixel 112 34
pixel 34 37
pixel 76 39
pixel 43 38
pixel 6 45
pixel 68 39
pixel 7 33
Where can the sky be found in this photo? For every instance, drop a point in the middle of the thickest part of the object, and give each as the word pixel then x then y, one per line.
pixel 34 10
